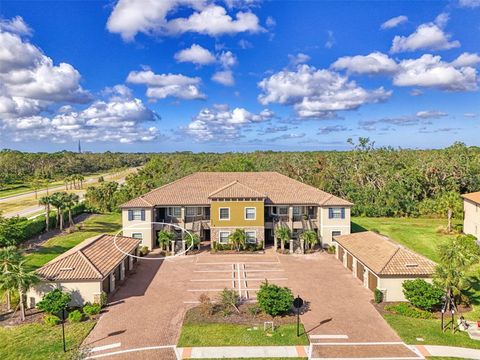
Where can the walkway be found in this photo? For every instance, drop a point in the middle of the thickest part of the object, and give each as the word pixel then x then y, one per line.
pixel 449 351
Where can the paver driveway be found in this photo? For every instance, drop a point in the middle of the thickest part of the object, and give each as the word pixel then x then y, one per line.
pixel 147 311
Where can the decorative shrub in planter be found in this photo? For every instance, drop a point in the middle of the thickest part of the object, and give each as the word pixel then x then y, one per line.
pixel 378 296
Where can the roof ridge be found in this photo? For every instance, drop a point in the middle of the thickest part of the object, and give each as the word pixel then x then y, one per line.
pixel 235 183
pixel 389 260
pixel 89 262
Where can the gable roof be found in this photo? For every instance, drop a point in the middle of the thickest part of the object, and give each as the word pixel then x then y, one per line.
pixel 384 256
pixel 198 188
pixel 475 197
pixel 92 259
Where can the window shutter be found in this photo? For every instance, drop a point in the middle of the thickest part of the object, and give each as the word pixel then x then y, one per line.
pixel 142 215
pixel 343 213
pixel 330 213
pixel 130 215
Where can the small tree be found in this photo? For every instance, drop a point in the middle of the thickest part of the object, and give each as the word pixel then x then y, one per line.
pixel 238 239
pixel 450 204
pixel 421 294
pixel 283 234
pixel 229 299
pixel 9 256
pixel 192 240
pixel 274 300
pixel 164 238
pixel 54 301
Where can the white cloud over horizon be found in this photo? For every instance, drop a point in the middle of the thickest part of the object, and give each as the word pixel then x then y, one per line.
pixel 394 22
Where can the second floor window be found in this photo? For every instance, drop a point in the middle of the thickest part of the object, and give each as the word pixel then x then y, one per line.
pixel 336 213
pixel 282 210
pixel 250 213
pixel 136 215
pixel 137 235
pixel 175 211
pixel 297 210
pixel 224 213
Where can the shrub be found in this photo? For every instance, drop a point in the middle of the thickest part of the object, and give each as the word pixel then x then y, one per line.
pixel 51 320
pixel 206 306
pixel 378 296
pixel 254 310
pixel 229 299
pixel 274 300
pixel 103 299
pixel 406 309
pixel 332 249
pixel 75 316
pixel 422 294
pixel 143 251
pixel 91 310
pixel 54 301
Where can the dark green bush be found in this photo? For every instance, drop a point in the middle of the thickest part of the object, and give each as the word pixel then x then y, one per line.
pixel 51 320
pixel 54 301
pixel 275 300
pixel 378 296
pixel 91 310
pixel 75 316
pixel 406 309
pixel 422 294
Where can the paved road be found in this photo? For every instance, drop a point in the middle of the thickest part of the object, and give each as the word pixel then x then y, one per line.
pixel 31 211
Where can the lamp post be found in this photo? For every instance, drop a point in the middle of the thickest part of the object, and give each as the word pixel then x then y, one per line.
pixel 297 304
pixel 63 331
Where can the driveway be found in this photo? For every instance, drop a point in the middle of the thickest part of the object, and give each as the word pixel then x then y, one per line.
pixel 147 311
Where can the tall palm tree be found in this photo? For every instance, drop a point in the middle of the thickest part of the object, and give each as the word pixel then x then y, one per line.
pixel 81 179
pixel 20 278
pixel 283 234
pixel 9 256
pixel 58 200
pixel 238 239
pixel 70 200
pixel 46 201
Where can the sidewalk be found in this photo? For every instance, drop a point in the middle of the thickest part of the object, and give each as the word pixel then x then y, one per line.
pixel 449 351
pixel 242 352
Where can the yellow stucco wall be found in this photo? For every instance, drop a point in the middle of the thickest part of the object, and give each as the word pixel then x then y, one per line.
pixel 237 213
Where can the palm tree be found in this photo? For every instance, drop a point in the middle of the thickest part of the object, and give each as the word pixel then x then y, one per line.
pixel 46 201
pixel 309 237
pixel 9 256
pixel 238 239
pixel 283 234
pixel 70 200
pixel 58 200
pixel 67 182
pixel 20 278
pixel 81 178
pixel 164 238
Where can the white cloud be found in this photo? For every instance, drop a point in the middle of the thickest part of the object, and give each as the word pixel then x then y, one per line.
pixel 300 58
pixel 469 3
pixel 222 124
pixel 431 71
pixel 195 54
pixel 330 40
pixel 161 86
pixel 151 17
pixel 224 77
pixel 431 114
pixel 16 26
pixel 227 59
pixel 427 36
pixel 470 115
pixel 317 93
pixel 466 59
pixel 394 22
pixel 374 63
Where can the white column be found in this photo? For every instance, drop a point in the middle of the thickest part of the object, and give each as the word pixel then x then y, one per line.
pixel 122 270
pixel 112 282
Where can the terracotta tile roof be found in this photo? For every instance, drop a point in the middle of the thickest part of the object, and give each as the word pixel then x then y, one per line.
pixel 384 256
pixel 236 190
pixel 195 189
pixel 475 197
pixel 93 259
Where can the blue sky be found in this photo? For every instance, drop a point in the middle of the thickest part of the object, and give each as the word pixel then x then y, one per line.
pixel 244 75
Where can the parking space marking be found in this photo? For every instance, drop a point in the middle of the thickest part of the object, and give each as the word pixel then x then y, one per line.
pixel 106 347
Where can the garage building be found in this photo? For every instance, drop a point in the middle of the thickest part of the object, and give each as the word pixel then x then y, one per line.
pixel 379 262
pixel 94 266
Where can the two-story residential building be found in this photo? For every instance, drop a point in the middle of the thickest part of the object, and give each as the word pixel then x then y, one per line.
pixel 213 204
pixel 471 219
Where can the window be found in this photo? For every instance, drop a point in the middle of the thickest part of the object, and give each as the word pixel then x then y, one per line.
pixel 336 233
pixel 251 236
pixel 224 213
pixel 250 213
pixel 190 211
pixel 175 211
pixel 223 237
pixel 136 215
pixel 282 210
pixel 137 235
pixel 297 210
pixel 336 213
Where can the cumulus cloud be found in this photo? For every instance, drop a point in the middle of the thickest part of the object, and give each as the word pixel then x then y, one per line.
pixel 317 93
pixel 431 71
pixel 428 36
pixel 195 54
pixel 469 3
pixel 297 59
pixel 151 17
pixel 374 63
pixel 15 25
pixel 466 59
pixel 225 76
pixel 222 124
pixel 394 22
pixel 161 86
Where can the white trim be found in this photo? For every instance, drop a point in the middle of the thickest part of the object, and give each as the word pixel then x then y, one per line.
pixel 220 211
pixel 246 237
pixel 336 226
pixel 220 237
pixel 254 213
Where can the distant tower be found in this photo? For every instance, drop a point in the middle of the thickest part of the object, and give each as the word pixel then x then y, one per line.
pixel 79 147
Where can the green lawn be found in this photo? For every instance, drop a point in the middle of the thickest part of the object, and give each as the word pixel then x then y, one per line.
pixel 238 335
pixel 39 341
pixel 94 225
pixel 418 234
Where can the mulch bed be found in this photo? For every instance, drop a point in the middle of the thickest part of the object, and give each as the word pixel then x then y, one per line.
pixel 197 315
pixel 12 319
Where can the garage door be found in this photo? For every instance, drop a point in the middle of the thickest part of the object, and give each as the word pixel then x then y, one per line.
pixel 372 281
pixel 349 261
pixel 360 271
pixel 341 252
